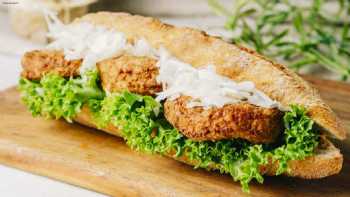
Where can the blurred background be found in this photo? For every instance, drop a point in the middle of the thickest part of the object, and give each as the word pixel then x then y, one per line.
pixel 312 37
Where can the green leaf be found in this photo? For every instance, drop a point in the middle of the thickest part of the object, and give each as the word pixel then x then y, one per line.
pixel 275 18
pixel 57 97
pixel 298 23
pixel 277 38
pixel 131 98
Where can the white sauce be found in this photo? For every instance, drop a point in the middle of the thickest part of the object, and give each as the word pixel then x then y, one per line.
pixel 207 88
pixel 204 85
pixel 86 41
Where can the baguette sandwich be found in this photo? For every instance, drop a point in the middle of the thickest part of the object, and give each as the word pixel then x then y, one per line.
pixel 180 93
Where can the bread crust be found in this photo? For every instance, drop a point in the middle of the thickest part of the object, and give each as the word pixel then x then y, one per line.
pixel 326 162
pixel 238 63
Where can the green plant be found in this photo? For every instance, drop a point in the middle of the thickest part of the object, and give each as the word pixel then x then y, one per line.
pixel 300 33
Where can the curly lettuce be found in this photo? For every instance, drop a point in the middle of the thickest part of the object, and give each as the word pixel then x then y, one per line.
pixel 57 97
pixel 143 126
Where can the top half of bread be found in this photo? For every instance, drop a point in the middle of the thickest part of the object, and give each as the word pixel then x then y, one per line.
pixel 238 63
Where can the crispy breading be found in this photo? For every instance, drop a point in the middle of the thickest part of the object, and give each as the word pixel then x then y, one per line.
pixel 136 74
pixel 37 63
pixel 243 120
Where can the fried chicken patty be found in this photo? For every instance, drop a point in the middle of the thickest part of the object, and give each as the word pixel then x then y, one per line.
pixel 136 74
pixel 243 120
pixel 37 63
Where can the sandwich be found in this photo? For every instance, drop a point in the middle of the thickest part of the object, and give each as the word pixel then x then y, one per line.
pixel 183 94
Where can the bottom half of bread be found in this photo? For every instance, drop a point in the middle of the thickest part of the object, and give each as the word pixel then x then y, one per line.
pixel 326 161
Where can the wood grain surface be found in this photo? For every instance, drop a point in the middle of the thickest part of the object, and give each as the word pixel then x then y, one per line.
pixel 92 159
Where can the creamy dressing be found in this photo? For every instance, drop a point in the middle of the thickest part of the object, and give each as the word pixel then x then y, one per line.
pixel 207 88
pixel 204 85
pixel 85 41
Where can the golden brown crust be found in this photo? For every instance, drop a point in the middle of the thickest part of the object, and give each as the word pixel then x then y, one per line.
pixel 136 74
pixel 37 63
pixel 245 121
pixel 198 49
pixel 326 162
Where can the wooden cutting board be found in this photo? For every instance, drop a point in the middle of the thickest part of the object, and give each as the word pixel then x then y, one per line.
pixel 91 159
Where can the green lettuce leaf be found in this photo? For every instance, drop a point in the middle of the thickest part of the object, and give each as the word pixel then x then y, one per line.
pixel 57 97
pixel 143 126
